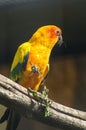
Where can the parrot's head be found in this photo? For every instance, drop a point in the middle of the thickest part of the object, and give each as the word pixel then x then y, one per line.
pixel 48 36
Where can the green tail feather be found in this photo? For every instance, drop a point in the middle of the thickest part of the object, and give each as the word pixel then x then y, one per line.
pixel 13 120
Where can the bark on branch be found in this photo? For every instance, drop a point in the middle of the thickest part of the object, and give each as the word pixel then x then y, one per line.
pixel 17 97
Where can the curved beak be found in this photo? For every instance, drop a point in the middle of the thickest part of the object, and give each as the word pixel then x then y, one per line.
pixel 60 40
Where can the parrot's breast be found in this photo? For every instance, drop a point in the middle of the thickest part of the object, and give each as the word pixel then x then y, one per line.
pixel 38 59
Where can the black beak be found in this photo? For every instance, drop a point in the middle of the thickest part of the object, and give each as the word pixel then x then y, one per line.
pixel 60 42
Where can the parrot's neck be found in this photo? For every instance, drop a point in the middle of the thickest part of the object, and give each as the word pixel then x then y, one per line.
pixel 43 41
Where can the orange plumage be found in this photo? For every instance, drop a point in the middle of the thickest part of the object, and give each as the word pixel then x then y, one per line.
pixel 31 64
pixel 36 53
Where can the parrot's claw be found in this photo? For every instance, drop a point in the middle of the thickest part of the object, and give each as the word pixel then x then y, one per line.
pixel 34 93
pixel 34 68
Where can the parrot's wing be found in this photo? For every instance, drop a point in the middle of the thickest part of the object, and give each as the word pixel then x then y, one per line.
pixel 20 61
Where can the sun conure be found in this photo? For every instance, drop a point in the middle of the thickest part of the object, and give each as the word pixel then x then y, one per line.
pixel 31 63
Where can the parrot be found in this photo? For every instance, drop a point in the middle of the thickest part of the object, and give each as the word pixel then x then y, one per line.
pixel 30 65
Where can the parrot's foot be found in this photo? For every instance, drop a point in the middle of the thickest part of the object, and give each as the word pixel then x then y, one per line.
pixel 34 68
pixel 33 92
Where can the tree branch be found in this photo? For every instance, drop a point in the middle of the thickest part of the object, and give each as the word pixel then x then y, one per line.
pixel 18 98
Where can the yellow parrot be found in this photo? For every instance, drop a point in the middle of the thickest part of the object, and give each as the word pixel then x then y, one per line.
pixel 31 63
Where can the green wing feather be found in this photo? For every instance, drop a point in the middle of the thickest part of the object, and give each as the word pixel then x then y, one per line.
pixel 20 61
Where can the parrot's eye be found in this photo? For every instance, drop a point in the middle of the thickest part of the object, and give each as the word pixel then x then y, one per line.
pixel 57 33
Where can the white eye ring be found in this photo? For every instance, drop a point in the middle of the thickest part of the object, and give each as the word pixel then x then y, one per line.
pixel 57 33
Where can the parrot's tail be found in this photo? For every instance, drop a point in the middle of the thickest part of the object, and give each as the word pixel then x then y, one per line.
pixel 12 117
pixel 13 120
pixel 5 116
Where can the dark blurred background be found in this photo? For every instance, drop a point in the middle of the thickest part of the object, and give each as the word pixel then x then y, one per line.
pixel 67 78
